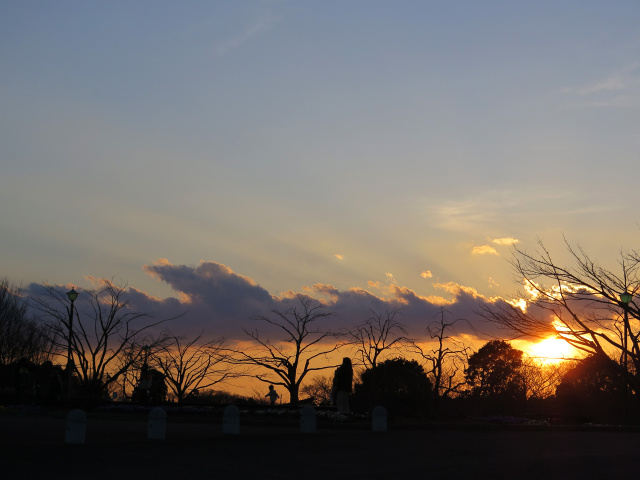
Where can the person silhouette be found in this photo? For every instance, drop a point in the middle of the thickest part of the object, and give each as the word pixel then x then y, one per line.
pixel 273 396
pixel 342 382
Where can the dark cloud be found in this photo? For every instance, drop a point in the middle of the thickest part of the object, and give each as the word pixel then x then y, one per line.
pixel 214 299
pixel 223 302
pixel 212 296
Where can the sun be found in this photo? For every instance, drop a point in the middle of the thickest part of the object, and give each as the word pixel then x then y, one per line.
pixel 551 350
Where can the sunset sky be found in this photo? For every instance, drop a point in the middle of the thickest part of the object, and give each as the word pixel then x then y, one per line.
pixel 215 155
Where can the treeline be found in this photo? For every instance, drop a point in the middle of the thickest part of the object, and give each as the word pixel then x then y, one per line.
pixel 52 350
pixel 119 354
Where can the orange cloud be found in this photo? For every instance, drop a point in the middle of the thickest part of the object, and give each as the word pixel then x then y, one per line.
pixel 484 250
pixel 426 274
pixel 324 289
pixel 455 288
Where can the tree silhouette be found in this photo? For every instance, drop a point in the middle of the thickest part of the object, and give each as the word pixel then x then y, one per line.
pixel 589 306
pixel 594 388
pixel 542 378
pixel 108 337
pixel 319 388
pixel 493 374
pixel 445 363
pixel 288 362
pixel 399 385
pixel 379 334
pixel 21 337
pixel 191 365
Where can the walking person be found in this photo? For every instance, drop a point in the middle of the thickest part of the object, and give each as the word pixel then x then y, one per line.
pixel 342 382
pixel 273 396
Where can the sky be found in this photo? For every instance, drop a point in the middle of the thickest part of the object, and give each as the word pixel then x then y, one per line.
pixel 219 157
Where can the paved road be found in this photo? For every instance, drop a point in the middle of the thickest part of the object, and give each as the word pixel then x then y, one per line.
pixel 117 448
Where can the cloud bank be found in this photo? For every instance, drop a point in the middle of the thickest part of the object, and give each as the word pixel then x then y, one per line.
pixel 213 299
pixel 222 302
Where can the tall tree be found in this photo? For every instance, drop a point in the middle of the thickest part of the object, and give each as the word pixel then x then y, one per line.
pixel 446 361
pixel 494 371
pixel 398 384
pixel 192 365
pixel 594 388
pixel 379 334
pixel 107 336
pixel 304 341
pixel 21 337
pixel 591 307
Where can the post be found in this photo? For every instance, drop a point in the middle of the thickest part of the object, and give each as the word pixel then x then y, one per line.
pixel 308 419
pixel 76 427
pixel 231 420
pixel 157 427
pixel 379 419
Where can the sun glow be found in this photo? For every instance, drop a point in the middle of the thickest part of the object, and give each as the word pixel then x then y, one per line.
pixel 551 350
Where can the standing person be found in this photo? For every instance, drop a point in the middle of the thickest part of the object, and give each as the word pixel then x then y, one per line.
pixel 273 396
pixel 342 381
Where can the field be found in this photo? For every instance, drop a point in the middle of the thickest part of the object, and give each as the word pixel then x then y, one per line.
pixel 32 445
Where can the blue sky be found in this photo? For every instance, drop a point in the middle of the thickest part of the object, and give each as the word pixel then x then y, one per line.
pixel 360 144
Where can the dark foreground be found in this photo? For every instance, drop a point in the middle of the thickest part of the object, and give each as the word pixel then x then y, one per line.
pixel 33 447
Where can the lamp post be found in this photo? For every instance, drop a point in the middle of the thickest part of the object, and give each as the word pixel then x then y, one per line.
pixel 72 295
pixel 625 299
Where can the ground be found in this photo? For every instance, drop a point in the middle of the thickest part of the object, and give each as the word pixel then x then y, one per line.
pixel 32 446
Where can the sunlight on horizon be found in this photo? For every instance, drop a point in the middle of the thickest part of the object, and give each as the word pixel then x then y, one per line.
pixel 551 350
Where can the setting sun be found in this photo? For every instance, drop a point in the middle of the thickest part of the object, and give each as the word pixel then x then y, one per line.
pixel 551 350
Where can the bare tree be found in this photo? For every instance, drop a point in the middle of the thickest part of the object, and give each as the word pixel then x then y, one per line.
pixel 589 306
pixel 378 335
pixel 192 365
pixel 542 378
pixel 319 389
pixel 446 362
pixel 131 361
pixel 107 337
pixel 288 362
pixel 21 337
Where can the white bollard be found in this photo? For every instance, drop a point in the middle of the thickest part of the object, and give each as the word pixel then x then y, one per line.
pixel 308 419
pixel 231 420
pixel 379 419
pixel 76 427
pixel 157 426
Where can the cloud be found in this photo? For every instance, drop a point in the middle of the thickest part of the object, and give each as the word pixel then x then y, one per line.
pixel 339 257
pixel 484 250
pixel 213 299
pixel 426 274
pixel 212 294
pixel 505 241
pixel 619 89
pixel 480 211
pixel 261 25
pixel 611 83
pixel 463 215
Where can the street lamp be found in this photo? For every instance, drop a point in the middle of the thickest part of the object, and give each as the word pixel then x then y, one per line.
pixel 625 299
pixel 72 295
